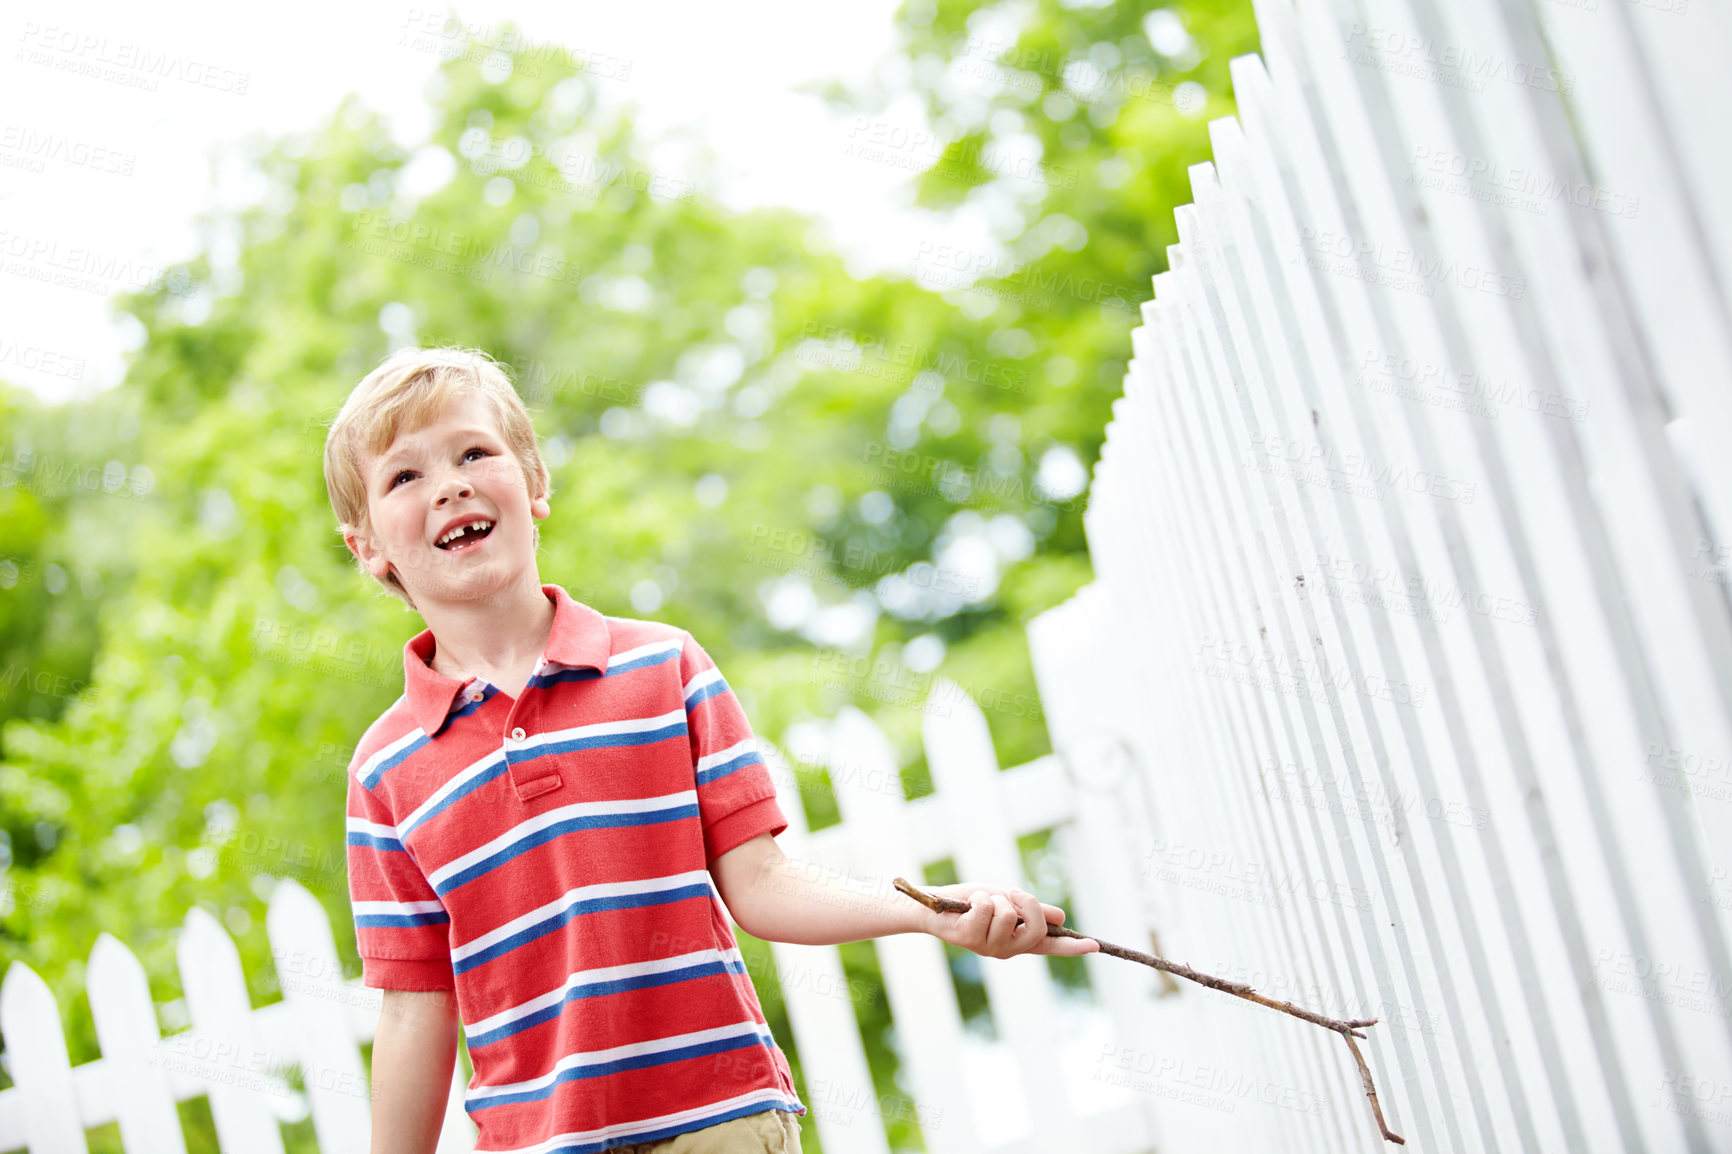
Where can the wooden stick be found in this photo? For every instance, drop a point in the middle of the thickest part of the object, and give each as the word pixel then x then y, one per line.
pixel 1347 1028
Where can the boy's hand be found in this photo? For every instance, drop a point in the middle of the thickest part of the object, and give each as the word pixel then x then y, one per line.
pixel 991 928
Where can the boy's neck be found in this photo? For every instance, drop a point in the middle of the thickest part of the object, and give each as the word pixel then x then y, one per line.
pixel 494 633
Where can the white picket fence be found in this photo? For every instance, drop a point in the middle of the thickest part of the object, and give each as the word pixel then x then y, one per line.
pixel 1411 535
pixel 1047 1081
pixel 1049 1070
pixel 235 1055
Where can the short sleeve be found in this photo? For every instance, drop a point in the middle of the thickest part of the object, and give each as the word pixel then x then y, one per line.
pixel 402 931
pixel 736 796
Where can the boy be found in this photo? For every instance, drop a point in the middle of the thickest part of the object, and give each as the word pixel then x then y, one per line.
pixel 545 827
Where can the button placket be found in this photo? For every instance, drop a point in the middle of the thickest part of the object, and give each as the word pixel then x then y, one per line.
pixel 533 787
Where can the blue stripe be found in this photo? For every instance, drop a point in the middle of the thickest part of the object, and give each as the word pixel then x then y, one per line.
pixel 577 909
pixel 634 1062
pixel 372 780
pixel 560 829
pixel 373 841
pixel 561 676
pixel 643 662
pixel 699 696
pixel 381 921
pixel 717 772
pixel 596 989
pixel 649 1136
pixel 493 770
pixel 487 693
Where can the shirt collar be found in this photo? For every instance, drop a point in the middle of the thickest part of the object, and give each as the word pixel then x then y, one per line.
pixel 579 638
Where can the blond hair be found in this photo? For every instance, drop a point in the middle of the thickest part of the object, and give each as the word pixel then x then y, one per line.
pixel 406 393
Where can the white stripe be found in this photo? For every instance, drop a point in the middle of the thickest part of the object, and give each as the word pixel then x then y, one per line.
pixel 479 1094
pixel 647 1125
pixel 600 974
pixel 362 825
pixel 643 651
pixel 728 754
pixel 701 680
pixel 541 821
pixel 629 725
pixel 398 907
pixel 571 897
pixel 452 786
pixel 604 729
pixel 391 750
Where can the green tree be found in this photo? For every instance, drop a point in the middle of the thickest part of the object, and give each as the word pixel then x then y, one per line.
pixel 745 440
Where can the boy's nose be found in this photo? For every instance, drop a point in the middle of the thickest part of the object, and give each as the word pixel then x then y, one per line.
pixel 462 489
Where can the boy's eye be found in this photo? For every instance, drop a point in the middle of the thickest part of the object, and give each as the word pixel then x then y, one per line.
pixel 410 472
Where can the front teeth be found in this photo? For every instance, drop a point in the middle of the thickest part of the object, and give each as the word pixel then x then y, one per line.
pixel 461 529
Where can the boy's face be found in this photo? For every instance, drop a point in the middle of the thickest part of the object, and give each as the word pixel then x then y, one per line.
pixel 456 470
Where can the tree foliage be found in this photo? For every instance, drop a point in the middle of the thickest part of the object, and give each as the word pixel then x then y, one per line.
pixel 807 470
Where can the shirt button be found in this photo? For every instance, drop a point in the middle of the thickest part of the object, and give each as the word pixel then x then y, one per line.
pixel 475 695
pixel 517 734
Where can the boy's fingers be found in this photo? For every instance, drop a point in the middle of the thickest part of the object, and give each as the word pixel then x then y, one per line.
pixel 978 919
pixel 1035 919
pixel 1003 929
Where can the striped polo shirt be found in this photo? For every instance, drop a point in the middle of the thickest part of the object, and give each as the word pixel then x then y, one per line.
pixel 547 859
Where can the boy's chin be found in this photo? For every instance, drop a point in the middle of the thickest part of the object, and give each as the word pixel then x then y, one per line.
pixel 479 578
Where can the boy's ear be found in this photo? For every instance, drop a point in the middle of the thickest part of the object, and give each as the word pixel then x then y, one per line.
pixel 539 508
pixel 363 549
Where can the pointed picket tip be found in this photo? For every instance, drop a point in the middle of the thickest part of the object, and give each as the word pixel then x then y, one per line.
pixel 293 911
pixel 856 738
pixel 110 957
pixel 41 1066
pixel 302 944
pixel 200 936
pixel 23 987
pixel 120 1001
pixel 865 771
pixel 953 728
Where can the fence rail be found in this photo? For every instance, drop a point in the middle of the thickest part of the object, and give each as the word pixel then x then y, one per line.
pixel 1411 532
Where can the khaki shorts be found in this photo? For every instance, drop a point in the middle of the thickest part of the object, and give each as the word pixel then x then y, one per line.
pixel 766 1132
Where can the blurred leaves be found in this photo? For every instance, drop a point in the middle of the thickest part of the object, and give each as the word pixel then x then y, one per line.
pixel 803 468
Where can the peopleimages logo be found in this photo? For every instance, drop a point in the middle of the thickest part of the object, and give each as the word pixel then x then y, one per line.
pixel 1398 51
pixel 1342 254
pixel 1527 189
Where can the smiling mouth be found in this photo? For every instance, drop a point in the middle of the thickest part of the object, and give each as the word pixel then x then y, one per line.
pixel 468 539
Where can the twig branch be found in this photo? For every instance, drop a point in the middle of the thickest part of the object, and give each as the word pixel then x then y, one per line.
pixel 1347 1028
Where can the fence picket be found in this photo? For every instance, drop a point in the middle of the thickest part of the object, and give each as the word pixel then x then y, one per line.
pixel 220 1009
pixel 317 997
pixel 41 1069
pixel 1542 838
pixel 841 1101
pixel 965 775
pixel 865 777
pixel 126 1029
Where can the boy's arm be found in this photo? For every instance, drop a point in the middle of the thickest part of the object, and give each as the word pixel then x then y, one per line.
pixel 402 935
pixel 777 898
pixel 414 1052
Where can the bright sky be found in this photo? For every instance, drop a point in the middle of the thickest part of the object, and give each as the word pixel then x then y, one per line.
pixel 114 113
